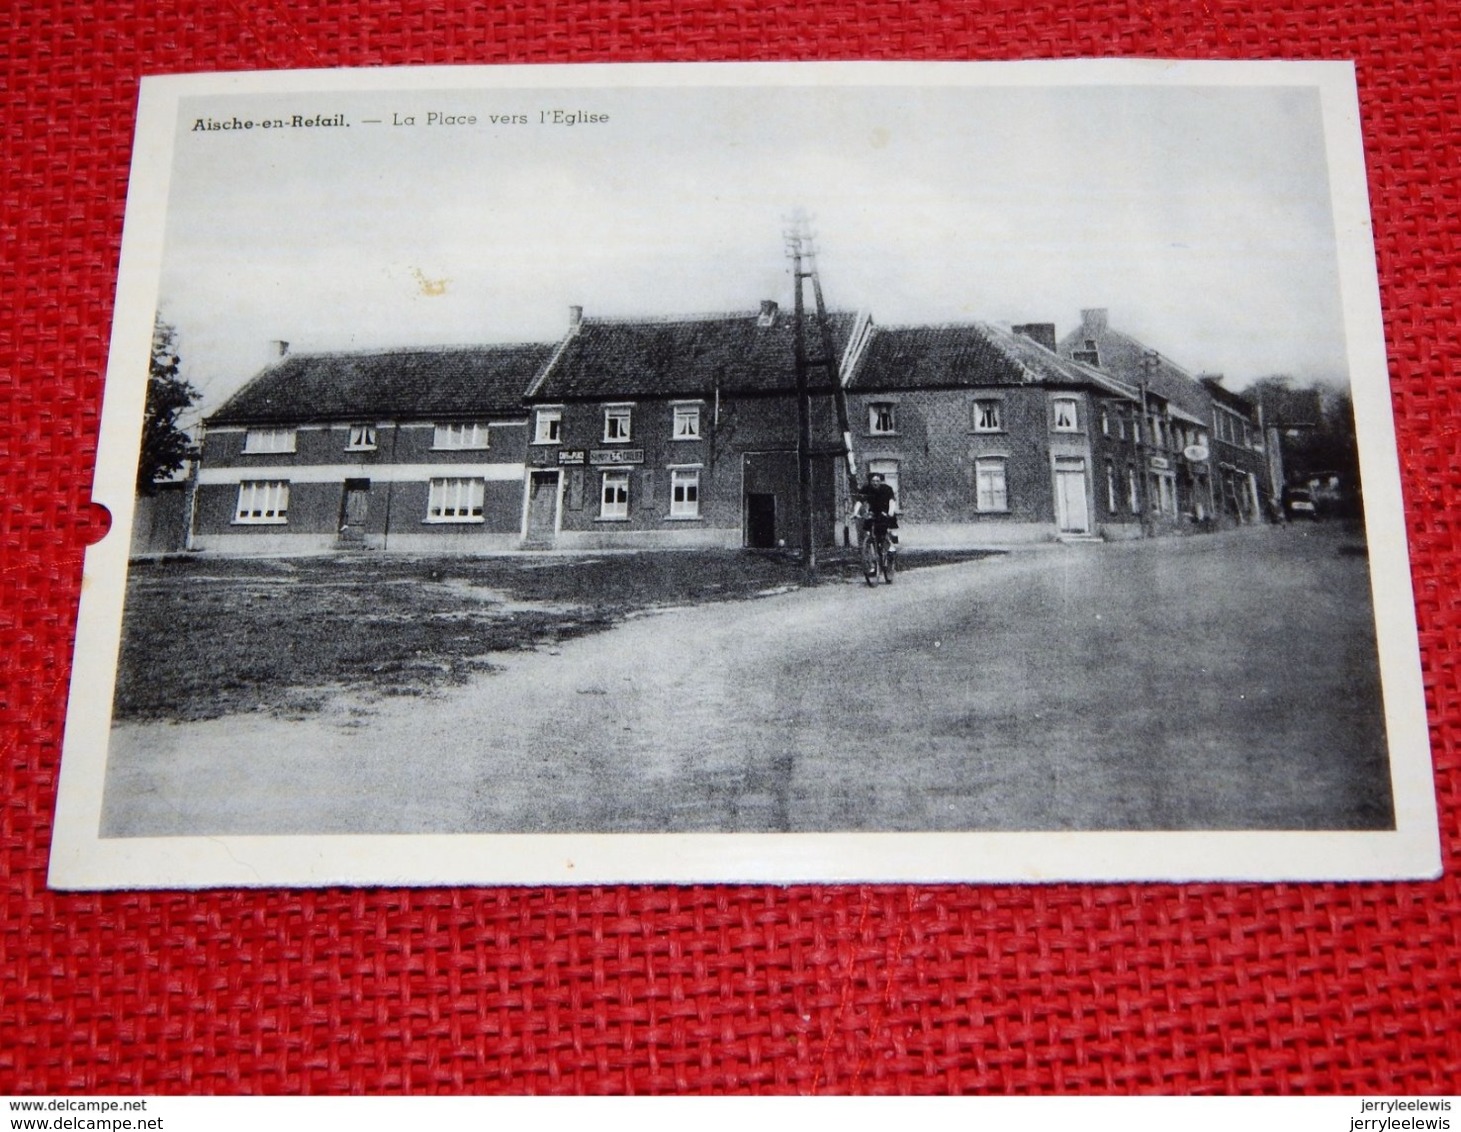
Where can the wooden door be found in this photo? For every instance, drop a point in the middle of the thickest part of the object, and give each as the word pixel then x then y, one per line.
pixel 1072 512
pixel 354 511
pixel 543 507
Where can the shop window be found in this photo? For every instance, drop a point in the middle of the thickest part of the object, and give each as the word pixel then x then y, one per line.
pixel 614 501
pixel 685 493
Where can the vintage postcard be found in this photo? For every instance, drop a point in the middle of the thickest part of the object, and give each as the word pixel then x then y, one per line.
pixel 865 472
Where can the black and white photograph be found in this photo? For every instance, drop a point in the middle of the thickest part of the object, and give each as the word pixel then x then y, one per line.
pixel 748 472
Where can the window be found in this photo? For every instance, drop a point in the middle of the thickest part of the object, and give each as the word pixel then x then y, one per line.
pixel 471 435
pixel 991 493
pixel 687 422
pixel 1105 421
pixel 269 440
pixel 1111 502
pixel 1064 414
pixel 987 416
pixel 456 501
pixel 548 428
pixel 881 420
pixel 617 424
pixel 615 498
pixel 685 493
pixel 263 501
pixel 362 437
pixel 1133 499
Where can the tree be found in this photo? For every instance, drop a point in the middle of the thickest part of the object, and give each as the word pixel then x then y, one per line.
pixel 164 444
pixel 1316 429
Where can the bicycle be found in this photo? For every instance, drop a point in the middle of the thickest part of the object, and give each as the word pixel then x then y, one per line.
pixel 878 554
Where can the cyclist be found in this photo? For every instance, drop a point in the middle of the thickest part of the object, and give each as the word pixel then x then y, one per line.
pixel 877 507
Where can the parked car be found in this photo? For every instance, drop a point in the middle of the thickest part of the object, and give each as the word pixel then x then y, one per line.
pixel 1298 503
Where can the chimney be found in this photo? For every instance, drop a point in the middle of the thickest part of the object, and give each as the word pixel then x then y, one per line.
pixel 575 318
pixel 767 317
pixel 1041 332
pixel 277 349
pixel 1093 322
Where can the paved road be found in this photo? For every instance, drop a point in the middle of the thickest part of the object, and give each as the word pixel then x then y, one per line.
pixel 1219 682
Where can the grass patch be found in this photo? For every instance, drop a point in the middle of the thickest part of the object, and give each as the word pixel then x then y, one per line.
pixel 204 638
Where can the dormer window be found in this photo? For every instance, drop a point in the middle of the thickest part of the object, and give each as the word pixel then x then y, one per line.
pixel 362 438
pixel 459 436
pixel 268 440
pixel 1091 355
pixel 617 421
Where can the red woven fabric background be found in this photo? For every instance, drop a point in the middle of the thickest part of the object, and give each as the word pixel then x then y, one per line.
pixel 1236 988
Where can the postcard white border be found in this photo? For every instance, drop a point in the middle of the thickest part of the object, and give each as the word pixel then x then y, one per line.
pixel 80 859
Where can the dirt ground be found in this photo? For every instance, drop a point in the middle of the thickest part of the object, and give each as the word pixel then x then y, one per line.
pixel 205 638
pixel 1218 682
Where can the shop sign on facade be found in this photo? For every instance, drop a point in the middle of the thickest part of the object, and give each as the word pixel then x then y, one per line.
pixel 617 456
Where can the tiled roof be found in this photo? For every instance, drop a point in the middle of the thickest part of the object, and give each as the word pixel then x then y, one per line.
pixel 1121 356
pixel 963 355
pixel 683 357
pixel 459 382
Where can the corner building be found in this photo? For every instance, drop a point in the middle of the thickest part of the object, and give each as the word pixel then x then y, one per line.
pixel 681 432
pixel 987 435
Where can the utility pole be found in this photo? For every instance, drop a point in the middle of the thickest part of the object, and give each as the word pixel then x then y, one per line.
pixel 803 254
pixel 1148 363
pixel 796 239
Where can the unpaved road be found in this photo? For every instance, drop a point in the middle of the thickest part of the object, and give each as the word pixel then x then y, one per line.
pixel 1221 682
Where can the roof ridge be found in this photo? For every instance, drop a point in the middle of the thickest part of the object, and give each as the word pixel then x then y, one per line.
pixel 973 324
pixel 385 351
pixel 696 316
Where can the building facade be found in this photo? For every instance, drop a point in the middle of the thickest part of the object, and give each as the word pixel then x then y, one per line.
pixel 1198 449
pixel 412 450
pixel 987 435
pixel 681 432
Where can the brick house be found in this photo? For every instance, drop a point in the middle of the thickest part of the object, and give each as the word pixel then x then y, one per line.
pixel 1198 448
pixel 415 450
pixel 988 435
pixel 679 432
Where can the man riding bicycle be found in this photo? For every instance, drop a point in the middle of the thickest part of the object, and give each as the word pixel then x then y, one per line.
pixel 877 510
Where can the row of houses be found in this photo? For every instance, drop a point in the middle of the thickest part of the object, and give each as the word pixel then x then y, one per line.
pixel 682 432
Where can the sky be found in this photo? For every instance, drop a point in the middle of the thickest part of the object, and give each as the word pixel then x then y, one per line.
pixel 1198 216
